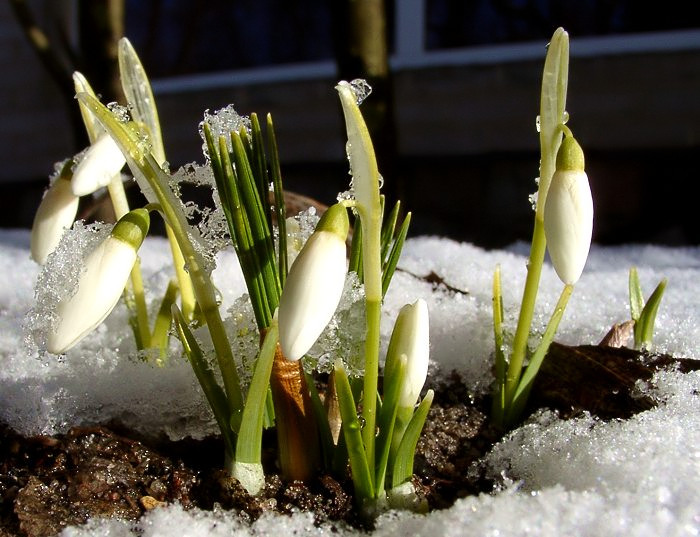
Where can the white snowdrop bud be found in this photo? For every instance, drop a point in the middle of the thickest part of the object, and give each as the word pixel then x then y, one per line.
pixel 102 161
pixel 314 284
pixel 55 214
pixel 105 274
pixel 410 337
pixel 568 213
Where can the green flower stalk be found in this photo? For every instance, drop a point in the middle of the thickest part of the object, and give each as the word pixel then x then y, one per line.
pixel 568 224
pixel 365 184
pixel 106 272
pixel 55 214
pixel 563 225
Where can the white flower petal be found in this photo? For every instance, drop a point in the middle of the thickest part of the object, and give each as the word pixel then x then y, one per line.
pixel 102 161
pixel 568 223
pixel 55 214
pixel 311 293
pixel 105 275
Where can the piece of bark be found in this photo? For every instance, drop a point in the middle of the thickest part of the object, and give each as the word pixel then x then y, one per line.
pixel 598 379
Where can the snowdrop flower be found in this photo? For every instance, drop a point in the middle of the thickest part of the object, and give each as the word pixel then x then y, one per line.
pixel 568 213
pixel 314 284
pixel 55 214
pixel 101 283
pixel 410 337
pixel 102 161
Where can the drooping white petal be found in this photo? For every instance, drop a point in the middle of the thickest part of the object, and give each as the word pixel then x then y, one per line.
pixel 568 223
pixel 104 277
pixel 102 161
pixel 55 214
pixel 311 293
pixel 411 337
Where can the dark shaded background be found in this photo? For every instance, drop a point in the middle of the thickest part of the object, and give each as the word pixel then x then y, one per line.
pixel 460 149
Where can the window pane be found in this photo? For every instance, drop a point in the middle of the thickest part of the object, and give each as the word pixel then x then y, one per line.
pixel 461 23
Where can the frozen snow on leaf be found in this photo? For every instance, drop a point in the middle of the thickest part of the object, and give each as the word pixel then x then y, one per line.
pixel 222 122
pixel 361 89
pixel 59 278
pixel 120 112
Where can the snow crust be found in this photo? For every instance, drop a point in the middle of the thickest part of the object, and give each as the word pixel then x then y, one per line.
pixel 579 477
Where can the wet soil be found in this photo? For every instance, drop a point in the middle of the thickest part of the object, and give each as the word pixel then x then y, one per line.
pixel 47 483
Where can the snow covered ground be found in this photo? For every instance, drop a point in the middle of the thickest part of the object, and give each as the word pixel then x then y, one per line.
pixel 579 477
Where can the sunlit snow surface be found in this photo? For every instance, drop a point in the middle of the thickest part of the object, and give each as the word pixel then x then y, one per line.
pixel 579 477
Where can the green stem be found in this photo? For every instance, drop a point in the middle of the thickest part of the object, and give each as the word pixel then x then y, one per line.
pixel 187 299
pixel 117 195
pixel 498 405
pixel 369 399
pixel 527 308
pixel 359 465
pixel 142 324
pixel 522 390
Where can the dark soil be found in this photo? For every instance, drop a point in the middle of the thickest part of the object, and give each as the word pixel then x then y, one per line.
pixel 47 483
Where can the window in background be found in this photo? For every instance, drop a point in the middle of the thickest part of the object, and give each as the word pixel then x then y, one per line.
pixel 463 23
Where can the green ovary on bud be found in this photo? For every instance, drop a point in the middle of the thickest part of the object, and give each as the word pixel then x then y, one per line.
pixel 314 285
pixel 55 214
pixel 410 337
pixel 102 161
pixel 568 213
pixel 105 273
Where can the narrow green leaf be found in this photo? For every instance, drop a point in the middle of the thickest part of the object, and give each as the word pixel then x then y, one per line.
pixel 263 247
pixel 393 259
pixel 259 166
pixel 352 432
pixel 386 417
pixel 92 127
pixel 403 464
pixel 240 228
pixel 222 186
pixel 498 406
pixel 212 391
pixel 280 205
pixel 515 407
pixel 161 327
pixel 249 446
pixel 555 79
pixel 133 319
pixel 324 429
pixel 269 410
pixel 647 318
pixel 355 264
pixel 636 296
pixel 388 228
pixel 139 95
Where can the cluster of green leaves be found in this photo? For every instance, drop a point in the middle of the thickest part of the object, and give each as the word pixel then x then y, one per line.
pixel 644 313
